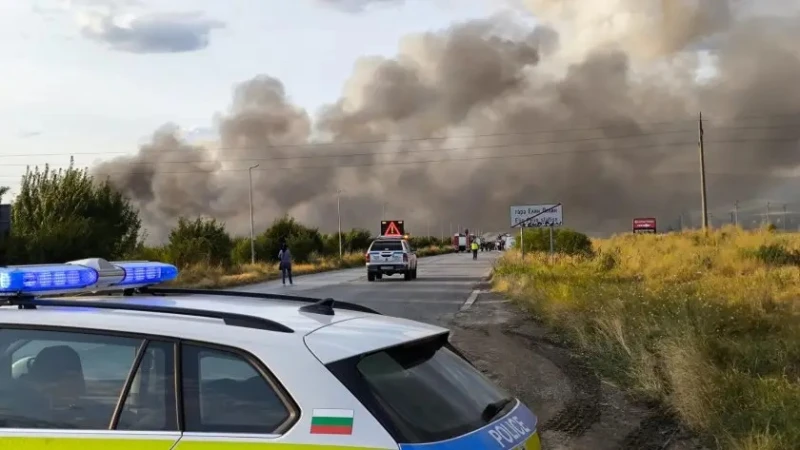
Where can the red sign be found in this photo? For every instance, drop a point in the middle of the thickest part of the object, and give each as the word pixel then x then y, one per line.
pixel 392 228
pixel 644 225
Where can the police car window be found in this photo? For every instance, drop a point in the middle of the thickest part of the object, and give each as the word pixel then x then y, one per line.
pixel 224 393
pixel 52 379
pixel 150 402
pixel 387 246
pixel 428 392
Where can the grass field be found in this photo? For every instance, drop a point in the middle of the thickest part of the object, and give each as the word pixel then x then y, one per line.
pixel 709 325
pixel 203 276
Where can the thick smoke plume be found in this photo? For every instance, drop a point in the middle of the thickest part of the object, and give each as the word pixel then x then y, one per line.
pixel 444 132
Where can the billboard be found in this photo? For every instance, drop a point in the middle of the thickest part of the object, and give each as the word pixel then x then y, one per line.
pixel 644 225
pixel 393 228
pixel 5 219
pixel 533 217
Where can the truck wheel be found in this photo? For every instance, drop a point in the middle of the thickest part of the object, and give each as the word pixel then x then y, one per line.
pixel 407 275
pixel 370 276
pixel 414 274
pixel 379 276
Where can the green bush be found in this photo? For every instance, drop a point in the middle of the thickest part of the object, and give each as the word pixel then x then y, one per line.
pixel 565 241
pixel 356 240
pixel 200 241
pixel 66 214
pixel 777 255
pixel 302 240
pixel 145 253
pixel 240 254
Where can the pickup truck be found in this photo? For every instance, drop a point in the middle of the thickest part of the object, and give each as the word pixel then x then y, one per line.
pixel 389 256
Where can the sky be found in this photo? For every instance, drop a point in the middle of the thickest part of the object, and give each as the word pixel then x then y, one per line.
pixel 99 76
pixel 94 79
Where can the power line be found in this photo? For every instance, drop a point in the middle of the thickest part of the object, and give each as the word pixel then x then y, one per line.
pixel 445 138
pixel 431 150
pixel 448 160
pixel 313 145
pixel 392 152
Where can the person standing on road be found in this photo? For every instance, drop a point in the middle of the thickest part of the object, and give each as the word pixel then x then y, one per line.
pixel 285 258
pixel 474 249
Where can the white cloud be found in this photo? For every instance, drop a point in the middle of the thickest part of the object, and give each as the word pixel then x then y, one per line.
pixel 149 33
pixel 354 6
pixel 134 26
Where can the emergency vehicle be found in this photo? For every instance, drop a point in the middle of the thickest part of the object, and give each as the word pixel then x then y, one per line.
pixel 96 355
pixel 460 242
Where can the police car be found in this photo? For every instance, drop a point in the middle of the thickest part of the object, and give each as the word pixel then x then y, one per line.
pixel 95 355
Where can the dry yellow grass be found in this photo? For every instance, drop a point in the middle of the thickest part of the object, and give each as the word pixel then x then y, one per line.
pixel 203 276
pixel 707 324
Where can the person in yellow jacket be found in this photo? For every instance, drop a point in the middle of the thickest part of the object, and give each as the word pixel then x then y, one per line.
pixel 474 246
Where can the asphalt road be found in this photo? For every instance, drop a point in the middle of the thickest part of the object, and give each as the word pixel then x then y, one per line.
pixel 444 283
pixel 576 409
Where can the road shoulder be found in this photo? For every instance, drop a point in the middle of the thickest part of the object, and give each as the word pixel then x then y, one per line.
pixel 576 409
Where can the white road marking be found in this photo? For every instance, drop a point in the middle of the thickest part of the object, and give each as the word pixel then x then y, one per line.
pixel 473 296
pixel 470 300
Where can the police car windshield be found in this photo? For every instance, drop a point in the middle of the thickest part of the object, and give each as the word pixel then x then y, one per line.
pixel 387 246
pixel 424 392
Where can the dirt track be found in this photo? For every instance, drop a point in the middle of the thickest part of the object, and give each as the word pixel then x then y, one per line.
pixel 576 409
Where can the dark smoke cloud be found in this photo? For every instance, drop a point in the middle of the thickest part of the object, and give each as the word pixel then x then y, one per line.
pixel 578 69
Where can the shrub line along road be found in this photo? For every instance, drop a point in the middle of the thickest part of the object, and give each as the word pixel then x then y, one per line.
pixel 576 410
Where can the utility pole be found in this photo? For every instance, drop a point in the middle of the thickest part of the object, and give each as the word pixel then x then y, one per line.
pixel 768 217
pixel 252 226
pixel 736 213
pixel 701 150
pixel 785 219
pixel 339 217
pixel 383 217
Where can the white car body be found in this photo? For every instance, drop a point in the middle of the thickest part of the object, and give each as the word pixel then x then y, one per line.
pixel 389 256
pixel 301 350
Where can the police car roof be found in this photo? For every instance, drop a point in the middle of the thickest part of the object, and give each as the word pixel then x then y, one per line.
pixel 329 337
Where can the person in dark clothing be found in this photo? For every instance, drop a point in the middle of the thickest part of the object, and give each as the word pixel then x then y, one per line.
pixel 285 258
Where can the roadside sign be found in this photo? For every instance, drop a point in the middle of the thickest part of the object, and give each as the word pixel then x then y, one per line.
pixel 644 225
pixel 5 219
pixel 393 228
pixel 537 216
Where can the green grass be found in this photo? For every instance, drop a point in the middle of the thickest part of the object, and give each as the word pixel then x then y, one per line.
pixel 709 325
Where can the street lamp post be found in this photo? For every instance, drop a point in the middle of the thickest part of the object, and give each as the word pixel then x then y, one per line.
pixel 339 216
pixel 252 226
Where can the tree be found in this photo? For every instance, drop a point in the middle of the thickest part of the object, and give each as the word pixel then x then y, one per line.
pixel 303 241
pixel 357 240
pixel 200 240
pixel 3 191
pixel 67 214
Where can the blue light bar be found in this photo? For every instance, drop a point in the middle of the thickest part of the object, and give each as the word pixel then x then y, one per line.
pixel 45 278
pixel 145 273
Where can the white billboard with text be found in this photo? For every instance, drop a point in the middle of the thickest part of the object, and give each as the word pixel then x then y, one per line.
pixel 553 217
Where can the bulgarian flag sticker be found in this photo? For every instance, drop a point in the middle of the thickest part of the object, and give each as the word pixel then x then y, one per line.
pixel 332 421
